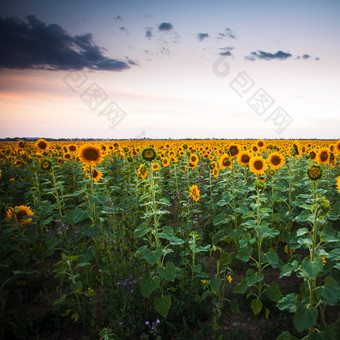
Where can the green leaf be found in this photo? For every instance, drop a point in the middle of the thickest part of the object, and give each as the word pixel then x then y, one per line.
pixel 241 287
pixel 301 231
pixel 220 219
pixel 288 302
pixel 141 230
pixel 330 292
pixel 171 238
pixel 271 257
pixel 163 304
pixel 24 272
pixel 60 300
pixel 51 242
pixel 169 272
pixel 312 268
pixel 219 236
pixel 288 268
pixel 152 256
pixel 253 277
pixel 234 306
pixel 256 306
pixel 77 287
pixel 244 254
pixel 305 318
pixel 215 283
pixel 147 286
pixel 197 268
pixel 80 215
pixel 91 231
pixel 286 336
pixel 273 292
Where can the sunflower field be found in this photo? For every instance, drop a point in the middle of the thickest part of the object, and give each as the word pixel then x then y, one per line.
pixel 170 239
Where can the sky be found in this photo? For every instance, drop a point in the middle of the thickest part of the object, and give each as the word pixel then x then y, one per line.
pixel 170 69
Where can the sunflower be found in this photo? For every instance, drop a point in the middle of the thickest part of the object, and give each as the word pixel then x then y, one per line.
pixel 314 172
pixel 194 158
pixel 21 144
pixel 60 160
pixel 142 171
pixel 165 161
pixel 213 165
pixel 194 193
pixel 149 154
pixel 233 150
pixel 323 156
pixel 96 175
pixel 312 155
pixel 90 154
pixel 46 164
pixel 18 213
pixel 338 183
pixel 271 172
pixel 155 166
pixel 244 158
pixel 258 165
pixel 67 156
pixel 42 145
pixel 216 172
pixel 224 161
pixel 254 148
pixel 276 161
pixel 192 165
pixel 72 148
pixel 260 143
pixel 337 146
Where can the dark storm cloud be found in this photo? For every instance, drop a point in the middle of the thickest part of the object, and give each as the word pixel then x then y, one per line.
pixel 202 36
pixel 268 56
pixel 32 44
pixel 165 26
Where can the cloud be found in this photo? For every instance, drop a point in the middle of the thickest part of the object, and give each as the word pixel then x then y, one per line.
pixel 165 26
pixel 226 51
pixel 118 18
pixel 35 45
pixel 268 56
pixel 148 32
pixel 123 29
pixel 227 33
pixel 202 36
pixel 306 56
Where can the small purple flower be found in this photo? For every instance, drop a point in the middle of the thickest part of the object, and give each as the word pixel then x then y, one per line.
pixel 131 291
pixel 120 323
pixel 157 322
pixel 147 323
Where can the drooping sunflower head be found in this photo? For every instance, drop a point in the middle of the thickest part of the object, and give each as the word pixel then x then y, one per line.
pixel 46 164
pixel 194 192
pixel 149 154
pixel 323 156
pixel 244 158
pixel 90 154
pixel 258 165
pixel 216 172
pixel 338 183
pixel 19 213
pixel 314 172
pixel 42 145
pixel 213 165
pixel 276 161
